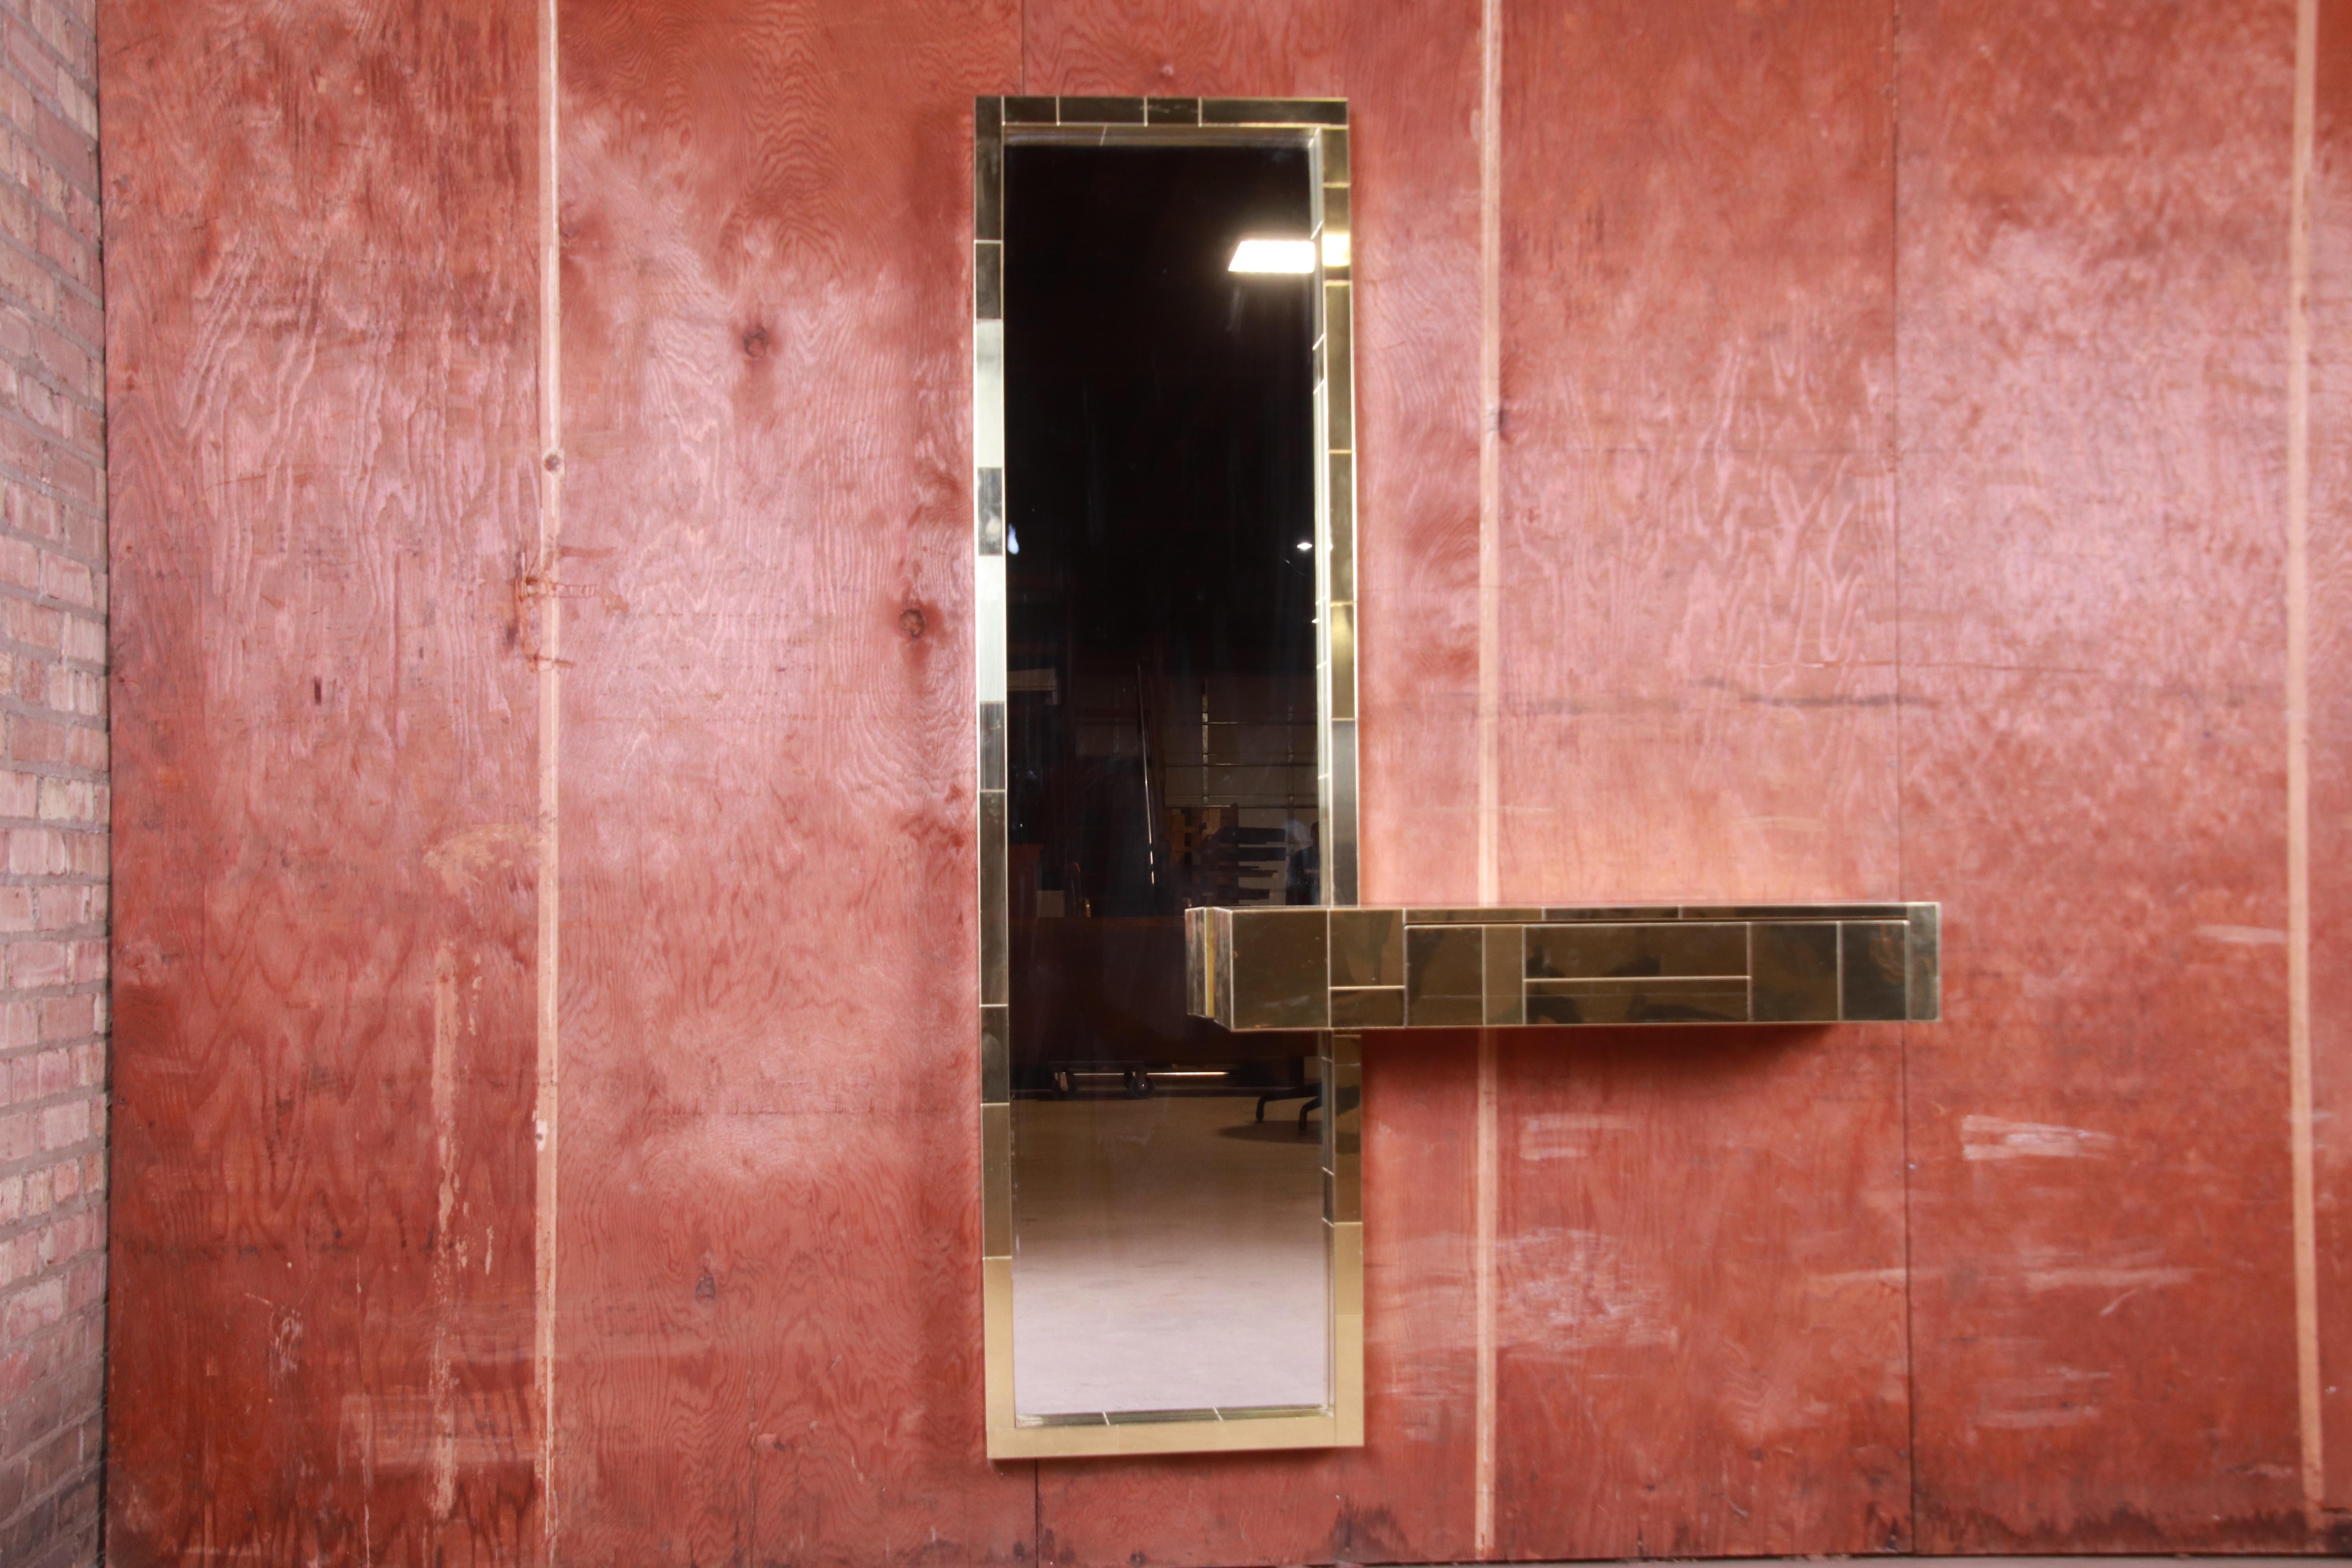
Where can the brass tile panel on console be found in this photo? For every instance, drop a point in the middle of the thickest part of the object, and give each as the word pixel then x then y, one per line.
pixel 1545 967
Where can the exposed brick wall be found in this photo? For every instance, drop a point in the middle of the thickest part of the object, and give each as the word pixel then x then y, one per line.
pixel 53 790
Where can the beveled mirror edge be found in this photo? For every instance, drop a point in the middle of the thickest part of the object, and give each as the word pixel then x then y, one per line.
pixel 1321 125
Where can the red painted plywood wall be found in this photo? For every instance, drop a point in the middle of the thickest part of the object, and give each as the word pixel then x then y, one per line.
pixel 1893 464
pixel 322 388
pixel 2094 320
pixel 767 1333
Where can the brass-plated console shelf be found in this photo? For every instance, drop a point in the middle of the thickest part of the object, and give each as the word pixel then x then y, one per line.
pixel 1309 968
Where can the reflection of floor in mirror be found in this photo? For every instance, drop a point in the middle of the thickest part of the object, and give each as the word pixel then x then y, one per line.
pixel 1167 1255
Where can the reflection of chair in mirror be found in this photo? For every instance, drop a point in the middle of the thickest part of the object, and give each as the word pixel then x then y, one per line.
pixel 1296 1087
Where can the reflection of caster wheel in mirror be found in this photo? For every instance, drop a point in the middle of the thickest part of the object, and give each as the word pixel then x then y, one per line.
pixel 1064 1086
pixel 1139 1084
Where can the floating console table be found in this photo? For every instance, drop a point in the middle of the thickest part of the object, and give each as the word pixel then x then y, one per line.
pixel 1313 968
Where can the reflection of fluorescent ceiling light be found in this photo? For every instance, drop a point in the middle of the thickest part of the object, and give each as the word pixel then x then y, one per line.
pixel 1335 249
pixel 1273 255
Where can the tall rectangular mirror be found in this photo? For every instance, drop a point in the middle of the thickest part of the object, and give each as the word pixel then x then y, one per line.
pixel 1164 563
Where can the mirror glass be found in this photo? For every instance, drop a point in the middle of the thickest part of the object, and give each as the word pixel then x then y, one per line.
pixel 1161 449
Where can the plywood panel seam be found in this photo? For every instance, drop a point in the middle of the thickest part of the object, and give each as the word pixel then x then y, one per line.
pixel 550 707
pixel 2298 757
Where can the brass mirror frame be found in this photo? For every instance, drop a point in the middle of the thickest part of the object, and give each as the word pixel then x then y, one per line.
pixel 1320 125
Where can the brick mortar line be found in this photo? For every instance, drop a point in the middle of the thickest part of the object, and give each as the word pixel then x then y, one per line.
pixel 78 1043
pixel 47 378
pixel 50 1217
pixel 56 994
pixel 69 1042
pixel 60 551
pixel 71 774
pixel 96 242
pixel 72 824
pixel 88 84
pixel 66 1422
pixel 27 1167
pixel 32 140
pixel 64 1043
pixel 95 352
pixel 34 595
pixel 61 1375
pixel 22 709
pixel 60 1264
pixel 35 653
pixel 82 1474
pixel 85 1474
pixel 43 488
pixel 50 437
pixel 25 708
pixel 50 264
pixel 50 1103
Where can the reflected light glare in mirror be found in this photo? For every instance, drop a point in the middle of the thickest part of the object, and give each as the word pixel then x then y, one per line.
pixel 1306 544
pixel 1335 250
pixel 1293 256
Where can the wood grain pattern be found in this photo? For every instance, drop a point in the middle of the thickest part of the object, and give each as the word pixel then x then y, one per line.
pixel 2330 587
pixel 1411 75
pixel 2093 498
pixel 1696 621
pixel 1701 1304
pixel 768 1324
pixel 1702 1289
pixel 320 342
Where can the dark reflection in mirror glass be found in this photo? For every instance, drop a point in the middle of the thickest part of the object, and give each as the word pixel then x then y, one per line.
pixel 1161 744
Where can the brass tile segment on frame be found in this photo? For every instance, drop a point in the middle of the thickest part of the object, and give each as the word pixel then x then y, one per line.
pixel 1301 112
pixel 988 280
pixel 988 168
pixel 988 394
pixel 1795 978
pixel 992 745
pixel 988 523
pixel 1445 975
pixel 1281 969
pixel 1340 854
pixel 1873 961
pixel 1334 155
pixel 1470 917
pixel 1341 619
pixel 1595 951
pixel 1341 577
pixel 996 1180
pixel 995 1056
pixel 1101 111
pixel 1367 947
pixel 1709 1000
pixel 1368 1007
pixel 1505 974
pixel 995 984
pixel 1337 380
pixel 996 1343
pixel 1925 987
